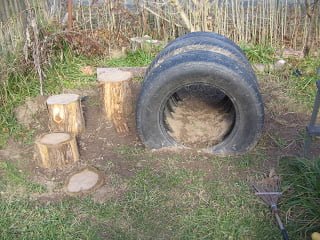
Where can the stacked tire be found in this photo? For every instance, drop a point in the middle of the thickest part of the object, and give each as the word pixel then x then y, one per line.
pixel 202 59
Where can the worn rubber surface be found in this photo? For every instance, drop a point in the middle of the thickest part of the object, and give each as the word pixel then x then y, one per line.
pixel 204 68
pixel 200 35
pixel 205 44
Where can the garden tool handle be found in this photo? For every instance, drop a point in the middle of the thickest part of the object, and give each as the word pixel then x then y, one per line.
pixel 283 230
pixel 285 234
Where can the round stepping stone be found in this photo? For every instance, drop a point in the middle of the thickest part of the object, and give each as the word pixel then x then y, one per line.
pixel 83 181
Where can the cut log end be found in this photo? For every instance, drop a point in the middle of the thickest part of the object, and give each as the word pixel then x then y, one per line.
pixel 55 138
pixel 112 75
pixel 117 96
pixel 84 181
pixel 65 113
pixel 62 99
pixel 55 150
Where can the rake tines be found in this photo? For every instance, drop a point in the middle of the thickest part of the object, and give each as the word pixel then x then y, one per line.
pixel 268 190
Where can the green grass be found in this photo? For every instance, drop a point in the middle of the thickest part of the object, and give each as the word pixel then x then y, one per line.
pixel 15 90
pixel 132 59
pixel 11 177
pixel 166 202
pixel 64 72
pixel 23 219
pixel 301 179
pixel 259 53
pixel 171 203
pixel 303 88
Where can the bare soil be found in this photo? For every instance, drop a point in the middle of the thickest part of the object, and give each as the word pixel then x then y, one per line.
pixel 120 156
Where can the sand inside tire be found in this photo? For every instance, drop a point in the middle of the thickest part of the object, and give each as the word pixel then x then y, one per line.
pixel 198 123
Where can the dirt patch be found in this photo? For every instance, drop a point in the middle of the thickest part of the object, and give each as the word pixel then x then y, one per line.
pixel 98 147
pixel 121 156
pixel 108 192
pixel 26 113
pixel 285 123
pixel 197 123
pixel 48 198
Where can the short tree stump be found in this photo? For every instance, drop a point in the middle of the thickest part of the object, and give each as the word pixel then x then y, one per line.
pixel 84 181
pixel 55 150
pixel 65 113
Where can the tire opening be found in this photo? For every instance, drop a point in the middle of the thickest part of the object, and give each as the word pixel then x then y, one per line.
pixel 198 116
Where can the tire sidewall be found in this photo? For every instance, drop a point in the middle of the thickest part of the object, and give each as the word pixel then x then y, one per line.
pixel 204 43
pixel 245 98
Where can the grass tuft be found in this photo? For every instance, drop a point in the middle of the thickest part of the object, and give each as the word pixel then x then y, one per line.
pixel 303 87
pixel 11 177
pixel 259 53
pixel 301 178
pixel 23 219
pixel 133 59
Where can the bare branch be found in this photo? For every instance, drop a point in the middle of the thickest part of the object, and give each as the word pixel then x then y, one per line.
pixel 183 15
pixel 158 15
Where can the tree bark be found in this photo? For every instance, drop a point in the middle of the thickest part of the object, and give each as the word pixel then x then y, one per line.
pixel 56 150
pixel 117 96
pixel 65 114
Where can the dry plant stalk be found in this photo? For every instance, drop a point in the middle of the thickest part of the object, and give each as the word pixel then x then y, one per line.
pixel 34 44
pixel 311 10
pixel 277 23
pixel 183 15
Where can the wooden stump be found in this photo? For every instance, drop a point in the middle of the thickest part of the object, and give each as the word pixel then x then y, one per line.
pixel 85 181
pixel 117 96
pixel 55 150
pixel 65 113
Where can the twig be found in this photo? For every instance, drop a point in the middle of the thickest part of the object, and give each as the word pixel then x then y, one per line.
pixel 183 15
pixel 158 15
pixel 70 20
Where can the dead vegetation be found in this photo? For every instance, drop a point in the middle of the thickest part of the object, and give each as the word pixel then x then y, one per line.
pixel 98 28
pixel 278 23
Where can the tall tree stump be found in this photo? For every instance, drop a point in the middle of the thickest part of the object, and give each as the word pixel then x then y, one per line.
pixel 65 113
pixel 117 96
pixel 55 150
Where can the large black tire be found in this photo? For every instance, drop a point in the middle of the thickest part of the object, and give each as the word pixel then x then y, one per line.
pixel 200 35
pixel 203 43
pixel 206 68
